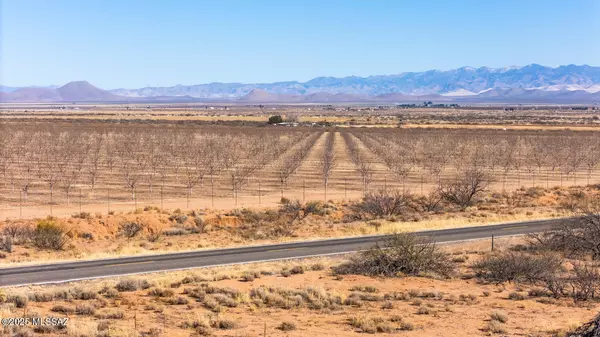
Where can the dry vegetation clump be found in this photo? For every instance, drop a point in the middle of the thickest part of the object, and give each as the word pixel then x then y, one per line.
pixel 402 254
pixel 310 297
pixel 132 285
pixel 559 263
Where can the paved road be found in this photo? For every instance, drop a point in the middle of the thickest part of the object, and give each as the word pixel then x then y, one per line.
pixel 62 272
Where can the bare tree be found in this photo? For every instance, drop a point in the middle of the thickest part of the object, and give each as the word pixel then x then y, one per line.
pixel 363 166
pixel 592 155
pixel 327 162
pixel 463 190
pixel 193 169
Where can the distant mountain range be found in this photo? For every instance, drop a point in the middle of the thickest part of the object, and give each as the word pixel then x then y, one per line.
pixel 529 84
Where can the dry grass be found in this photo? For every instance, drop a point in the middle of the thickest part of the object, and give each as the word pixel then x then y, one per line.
pixel 312 303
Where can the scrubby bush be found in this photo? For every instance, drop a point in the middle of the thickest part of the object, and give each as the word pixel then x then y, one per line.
pixel 130 229
pixel 62 309
pixel 275 119
pixel 85 310
pixel 371 325
pixel 224 324
pixel 131 285
pixel 494 327
pixel 516 296
pixel 512 266
pixel 50 235
pixel 402 254
pixel 287 326
pixel 383 203
pixel 19 301
pixel 18 232
pixel 178 218
pixel 6 244
pixel 464 190
pixel 161 292
pixel 499 316
pixel 575 238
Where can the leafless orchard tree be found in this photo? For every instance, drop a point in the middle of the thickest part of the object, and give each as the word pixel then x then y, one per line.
pixel 436 155
pixel 193 169
pixel 327 162
pixel 94 159
pixel 363 166
pixel 289 163
pixel 592 155
pixel 131 162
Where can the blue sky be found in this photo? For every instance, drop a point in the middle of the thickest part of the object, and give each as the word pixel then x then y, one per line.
pixel 135 43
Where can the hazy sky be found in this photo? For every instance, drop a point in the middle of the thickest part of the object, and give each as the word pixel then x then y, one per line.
pixel 130 43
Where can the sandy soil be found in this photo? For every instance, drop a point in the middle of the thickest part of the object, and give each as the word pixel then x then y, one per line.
pixel 462 307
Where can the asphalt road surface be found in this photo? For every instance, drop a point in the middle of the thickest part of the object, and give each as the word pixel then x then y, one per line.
pixel 71 271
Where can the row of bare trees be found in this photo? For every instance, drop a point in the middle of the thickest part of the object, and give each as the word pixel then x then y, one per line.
pixel 327 161
pixel 72 159
pixel 127 158
pixel 359 158
pixel 519 155
pixel 289 163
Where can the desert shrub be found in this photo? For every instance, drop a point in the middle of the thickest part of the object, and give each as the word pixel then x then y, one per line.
pixel 200 225
pixel 49 235
pixel 18 232
pixel 85 310
pixel 265 225
pixel 82 215
pixel 585 283
pixel 110 293
pixel 512 266
pixel 19 301
pixel 370 325
pixel 175 232
pixel 275 119
pixel 224 324
pixel 130 229
pixel 499 316
pixel 62 309
pixel 287 326
pixel 537 292
pixel 178 218
pixel 210 303
pixel 464 190
pixel 405 326
pixel 310 297
pixel 397 296
pixel 247 277
pixel 314 207
pixel 113 314
pixel 402 254
pixel 383 203
pixel 80 294
pixel 387 306
pixel 423 311
pixel 516 296
pixel 317 266
pixel 575 238
pixel 494 327
pixel 297 270
pixel 41 297
pixel 131 285
pixel 6 244
pixel 225 300
pixel 161 292
pixel 365 289
pixel 432 202
pixel 153 236
pixel 179 300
